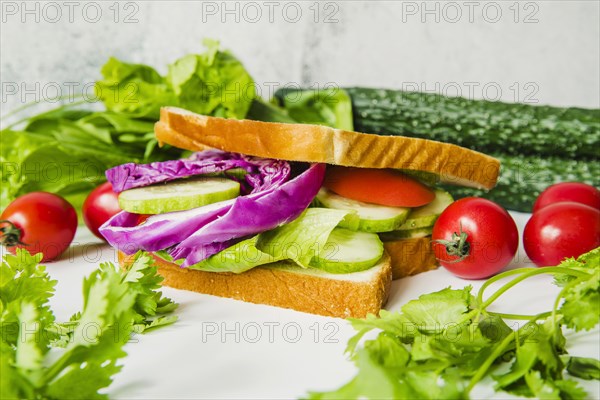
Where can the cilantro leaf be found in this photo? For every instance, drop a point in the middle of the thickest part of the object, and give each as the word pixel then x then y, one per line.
pixel 584 367
pixel 90 344
pixel 540 387
pixel 373 381
pixel 434 312
pixel 82 383
pixel 581 307
pixel 388 352
pixel 392 323
pixel 569 389
pixel 440 339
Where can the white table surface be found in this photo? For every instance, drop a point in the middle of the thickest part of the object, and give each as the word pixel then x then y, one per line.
pixel 225 349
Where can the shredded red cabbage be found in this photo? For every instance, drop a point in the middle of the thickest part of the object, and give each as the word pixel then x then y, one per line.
pixel 198 233
pixel 262 173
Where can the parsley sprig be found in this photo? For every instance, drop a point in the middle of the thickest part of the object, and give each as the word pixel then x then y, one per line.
pixel 443 344
pixel 41 358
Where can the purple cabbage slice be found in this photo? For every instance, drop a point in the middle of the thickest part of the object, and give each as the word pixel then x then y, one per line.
pixel 262 173
pixel 196 234
pixel 253 214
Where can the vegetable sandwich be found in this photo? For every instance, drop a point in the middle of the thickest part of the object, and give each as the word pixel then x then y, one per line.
pixel 305 217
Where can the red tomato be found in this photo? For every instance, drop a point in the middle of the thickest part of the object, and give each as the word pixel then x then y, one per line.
pixel 475 238
pixel 142 218
pixel 568 191
pixel 39 222
pixel 378 186
pixel 101 204
pixel 561 230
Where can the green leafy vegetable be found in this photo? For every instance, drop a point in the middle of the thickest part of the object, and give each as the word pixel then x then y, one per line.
pixel 302 238
pixel 213 83
pixel 297 241
pixel 261 110
pixel 584 367
pixel 328 106
pixel 66 150
pixel 133 89
pixel 237 259
pixel 68 157
pixel 442 344
pixel 116 304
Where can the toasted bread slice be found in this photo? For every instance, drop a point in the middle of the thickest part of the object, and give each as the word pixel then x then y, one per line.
pixel 411 256
pixel 315 143
pixel 284 284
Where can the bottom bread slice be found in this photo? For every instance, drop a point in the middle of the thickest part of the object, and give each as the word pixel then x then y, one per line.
pixel 411 256
pixel 284 284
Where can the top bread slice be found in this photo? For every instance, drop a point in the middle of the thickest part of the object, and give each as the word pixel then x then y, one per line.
pixel 316 143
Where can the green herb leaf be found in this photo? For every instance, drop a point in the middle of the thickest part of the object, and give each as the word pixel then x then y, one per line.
pixel 584 367
pixel 133 89
pixel 441 339
pixel 116 304
pixel 213 83
pixel 434 312
pixel 374 381
pixel 327 106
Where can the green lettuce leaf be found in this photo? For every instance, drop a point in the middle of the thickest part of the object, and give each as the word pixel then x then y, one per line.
pixel 213 83
pixel 237 259
pixel 261 110
pixel 134 89
pixel 297 241
pixel 302 238
pixel 330 106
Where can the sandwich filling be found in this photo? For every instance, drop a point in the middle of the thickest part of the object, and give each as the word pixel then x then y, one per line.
pixel 227 212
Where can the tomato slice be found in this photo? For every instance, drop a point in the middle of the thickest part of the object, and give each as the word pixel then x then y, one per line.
pixel 378 186
pixel 142 218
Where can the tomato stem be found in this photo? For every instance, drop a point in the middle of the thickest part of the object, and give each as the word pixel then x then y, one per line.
pixel 457 246
pixel 10 235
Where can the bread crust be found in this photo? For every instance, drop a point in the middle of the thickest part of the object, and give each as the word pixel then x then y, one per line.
pixel 282 287
pixel 316 143
pixel 411 256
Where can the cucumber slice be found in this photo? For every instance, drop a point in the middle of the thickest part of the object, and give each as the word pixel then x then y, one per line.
pixel 237 173
pixel 407 234
pixel 348 251
pixel 429 178
pixel 422 217
pixel 372 217
pixel 178 196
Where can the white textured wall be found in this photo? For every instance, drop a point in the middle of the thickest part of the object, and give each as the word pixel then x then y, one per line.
pixel 385 44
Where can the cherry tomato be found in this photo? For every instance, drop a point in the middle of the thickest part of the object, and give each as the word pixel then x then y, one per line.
pixel 39 222
pixel 101 204
pixel 568 191
pixel 561 230
pixel 378 186
pixel 475 238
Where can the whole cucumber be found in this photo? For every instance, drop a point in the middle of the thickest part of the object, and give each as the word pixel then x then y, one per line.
pixel 523 178
pixel 486 126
